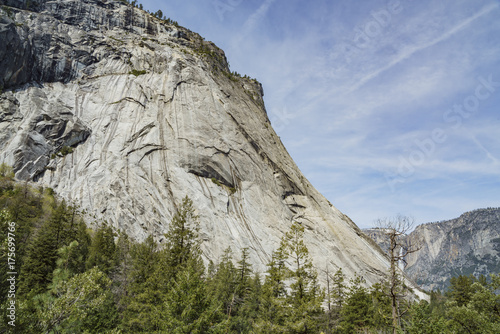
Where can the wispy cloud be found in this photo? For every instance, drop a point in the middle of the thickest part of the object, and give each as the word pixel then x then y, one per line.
pixel 411 50
pixel 354 118
pixel 256 17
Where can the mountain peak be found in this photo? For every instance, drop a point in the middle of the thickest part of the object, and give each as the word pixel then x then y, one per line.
pixel 125 114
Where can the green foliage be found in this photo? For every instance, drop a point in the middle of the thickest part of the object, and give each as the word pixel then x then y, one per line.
pixel 69 302
pixel 272 310
pixel 59 230
pixel 188 306
pixel 291 295
pixel 137 72
pixel 146 288
pixel 357 313
pixel 102 252
pixel 182 240
pixel 475 307
pixel 217 182
pixel 65 150
pixel 338 292
pixel 422 320
pixel 6 172
pixel 461 289
pixel 381 306
pixel 73 281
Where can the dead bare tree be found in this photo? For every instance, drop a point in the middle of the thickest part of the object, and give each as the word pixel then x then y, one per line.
pixel 395 229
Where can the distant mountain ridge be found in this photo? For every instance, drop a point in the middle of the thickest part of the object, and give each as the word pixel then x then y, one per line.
pixel 469 244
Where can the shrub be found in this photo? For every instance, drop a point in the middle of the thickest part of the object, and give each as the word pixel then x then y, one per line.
pixel 66 150
pixel 137 72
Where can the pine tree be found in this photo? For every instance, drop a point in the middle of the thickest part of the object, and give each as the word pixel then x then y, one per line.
pixel 305 296
pixel 182 241
pixel 144 296
pixel 273 308
pixel 188 306
pixel 357 309
pixel 461 289
pixel 102 251
pixel 381 306
pixel 299 310
pixel 122 274
pixel 69 302
pixel 423 321
pixel 475 308
pixel 223 284
pixel 248 311
pixel 244 273
pixel 59 230
pixel 246 298
pixel 338 292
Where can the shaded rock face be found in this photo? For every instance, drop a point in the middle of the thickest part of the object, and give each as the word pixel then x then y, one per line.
pixel 153 114
pixel 466 245
pixel 42 134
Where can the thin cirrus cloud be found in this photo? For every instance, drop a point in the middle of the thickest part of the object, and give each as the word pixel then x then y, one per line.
pixel 353 117
pixel 411 50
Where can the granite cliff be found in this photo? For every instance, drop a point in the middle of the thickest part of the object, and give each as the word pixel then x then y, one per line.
pixel 469 244
pixel 125 114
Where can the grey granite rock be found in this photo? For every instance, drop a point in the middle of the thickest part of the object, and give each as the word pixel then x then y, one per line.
pixel 153 114
pixel 467 245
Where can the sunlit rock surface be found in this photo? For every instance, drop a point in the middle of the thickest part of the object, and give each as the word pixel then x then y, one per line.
pixel 152 114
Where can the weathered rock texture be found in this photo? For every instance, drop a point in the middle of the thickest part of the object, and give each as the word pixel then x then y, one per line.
pixel 466 245
pixel 153 114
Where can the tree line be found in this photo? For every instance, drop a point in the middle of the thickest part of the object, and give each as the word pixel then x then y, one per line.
pixel 73 279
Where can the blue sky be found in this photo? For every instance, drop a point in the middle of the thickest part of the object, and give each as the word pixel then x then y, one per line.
pixel 388 107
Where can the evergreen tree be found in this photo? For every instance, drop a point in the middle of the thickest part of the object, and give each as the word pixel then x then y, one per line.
pixel 299 310
pixel 102 252
pixel 461 289
pixel 273 308
pixel 122 274
pixel 247 296
pixel 146 293
pixel 466 319
pixel 338 292
pixel 69 302
pixel 5 227
pixel 305 296
pixel 357 312
pixel 223 284
pixel 182 241
pixel 244 273
pixel 188 306
pixel 475 308
pixel 422 320
pixel 234 287
pixel 59 230
pixel 73 302
pixel 381 306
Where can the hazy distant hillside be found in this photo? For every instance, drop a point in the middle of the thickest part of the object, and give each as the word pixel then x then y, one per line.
pixel 469 244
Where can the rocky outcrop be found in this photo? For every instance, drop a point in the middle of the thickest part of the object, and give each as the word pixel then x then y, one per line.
pixel 466 245
pixel 152 114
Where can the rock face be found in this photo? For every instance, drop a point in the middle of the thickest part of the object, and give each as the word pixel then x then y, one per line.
pixel 152 114
pixel 466 245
